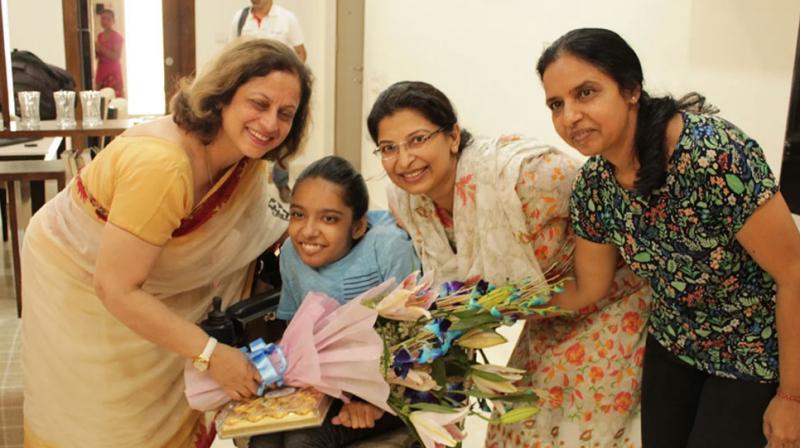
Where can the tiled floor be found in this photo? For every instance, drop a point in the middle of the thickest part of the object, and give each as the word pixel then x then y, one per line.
pixel 10 370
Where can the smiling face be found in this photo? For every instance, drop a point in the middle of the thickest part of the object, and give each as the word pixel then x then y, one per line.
pixel 260 114
pixel 321 224
pixel 429 169
pixel 589 110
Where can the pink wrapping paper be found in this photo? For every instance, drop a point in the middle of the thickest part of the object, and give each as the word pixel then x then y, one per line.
pixel 331 347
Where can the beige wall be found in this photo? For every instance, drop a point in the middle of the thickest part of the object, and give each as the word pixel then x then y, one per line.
pixel 482 54
pixel 213 19
pixel 37 26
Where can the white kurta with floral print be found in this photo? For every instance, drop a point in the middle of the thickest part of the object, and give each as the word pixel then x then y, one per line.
pixel 510 221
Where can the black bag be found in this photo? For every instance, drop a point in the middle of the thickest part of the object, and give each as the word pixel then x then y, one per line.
pixel 31 73
pixel 242 19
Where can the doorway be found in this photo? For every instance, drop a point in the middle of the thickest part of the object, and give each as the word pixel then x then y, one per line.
pixel 173 52
pixel 790 168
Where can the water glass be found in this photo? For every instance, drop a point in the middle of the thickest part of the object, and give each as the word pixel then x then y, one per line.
pixel 29 109
pixel 65 108
pixel 90 102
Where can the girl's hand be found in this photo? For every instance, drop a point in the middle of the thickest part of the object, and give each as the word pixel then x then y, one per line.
pixel 358 415
pixel 782 423
pixel 234 372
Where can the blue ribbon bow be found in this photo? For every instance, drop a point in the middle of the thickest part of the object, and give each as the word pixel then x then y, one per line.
pixel 270 361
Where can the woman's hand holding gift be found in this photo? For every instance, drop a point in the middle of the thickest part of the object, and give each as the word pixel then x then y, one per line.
pixel 234 372
pixel 358 415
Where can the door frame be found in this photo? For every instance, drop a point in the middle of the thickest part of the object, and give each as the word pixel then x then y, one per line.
pixel 790 166
pixel 179 42
pixel 348 111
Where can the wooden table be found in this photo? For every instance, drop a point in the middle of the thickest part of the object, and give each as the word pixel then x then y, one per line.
pixel 26 171
pixel 41 149
pixel 78 134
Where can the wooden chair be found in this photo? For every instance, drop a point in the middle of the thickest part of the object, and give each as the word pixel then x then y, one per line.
pixel 25 171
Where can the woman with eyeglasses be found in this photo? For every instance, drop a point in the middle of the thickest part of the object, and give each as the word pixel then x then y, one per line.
pixel 498 209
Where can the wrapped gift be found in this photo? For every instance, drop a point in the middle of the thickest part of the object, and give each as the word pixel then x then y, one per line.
pixel 279 410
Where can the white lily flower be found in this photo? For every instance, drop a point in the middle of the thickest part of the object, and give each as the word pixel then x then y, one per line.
pixel 478 339
pixel 438 427
pixel 508 374
pixel 415 379
pixel 394 307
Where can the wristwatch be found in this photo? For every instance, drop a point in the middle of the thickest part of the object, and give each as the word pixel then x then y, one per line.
pixel 200 362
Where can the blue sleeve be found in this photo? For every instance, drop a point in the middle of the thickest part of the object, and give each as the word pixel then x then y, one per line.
pixel 289 301
pixel 396 255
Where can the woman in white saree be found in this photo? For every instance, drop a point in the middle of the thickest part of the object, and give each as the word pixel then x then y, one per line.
pixel 122 263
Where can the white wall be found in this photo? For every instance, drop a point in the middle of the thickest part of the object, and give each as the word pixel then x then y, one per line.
pixel 38 26
pixel 482 54
pixel 213 21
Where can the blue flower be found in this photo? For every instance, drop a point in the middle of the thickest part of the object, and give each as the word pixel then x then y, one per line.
pixel 416 396
pixel 449 288
pixel 403 361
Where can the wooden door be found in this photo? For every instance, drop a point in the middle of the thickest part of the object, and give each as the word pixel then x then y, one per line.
pixel 178 31
pixel 179 43
pixel 78 42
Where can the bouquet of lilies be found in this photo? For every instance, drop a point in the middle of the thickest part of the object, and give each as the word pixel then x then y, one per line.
pixel 408 349
pixel 430 337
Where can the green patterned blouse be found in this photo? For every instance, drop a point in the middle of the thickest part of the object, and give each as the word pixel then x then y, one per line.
pixel 713 307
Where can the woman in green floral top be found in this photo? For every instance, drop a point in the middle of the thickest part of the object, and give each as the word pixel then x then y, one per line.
pixel 689 202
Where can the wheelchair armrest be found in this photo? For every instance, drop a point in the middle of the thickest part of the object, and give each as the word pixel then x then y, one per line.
pixel 256 308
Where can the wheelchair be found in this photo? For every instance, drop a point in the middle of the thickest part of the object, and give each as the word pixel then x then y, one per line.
pixel 256 317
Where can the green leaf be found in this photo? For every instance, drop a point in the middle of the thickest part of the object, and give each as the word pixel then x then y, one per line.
pixel 466 313
pixel 489 376
pixel 672 266
pixel 764 372
pixel 438 372
pixel 523 396
pixel 471 322
pixel 642 257
pixel 430 407
pixel 591 206
pixel 766 332
pixel 734 183
pixel 679 285
pixel 518 415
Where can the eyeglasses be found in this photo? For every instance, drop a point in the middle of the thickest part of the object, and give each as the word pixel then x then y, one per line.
pixel 389 151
